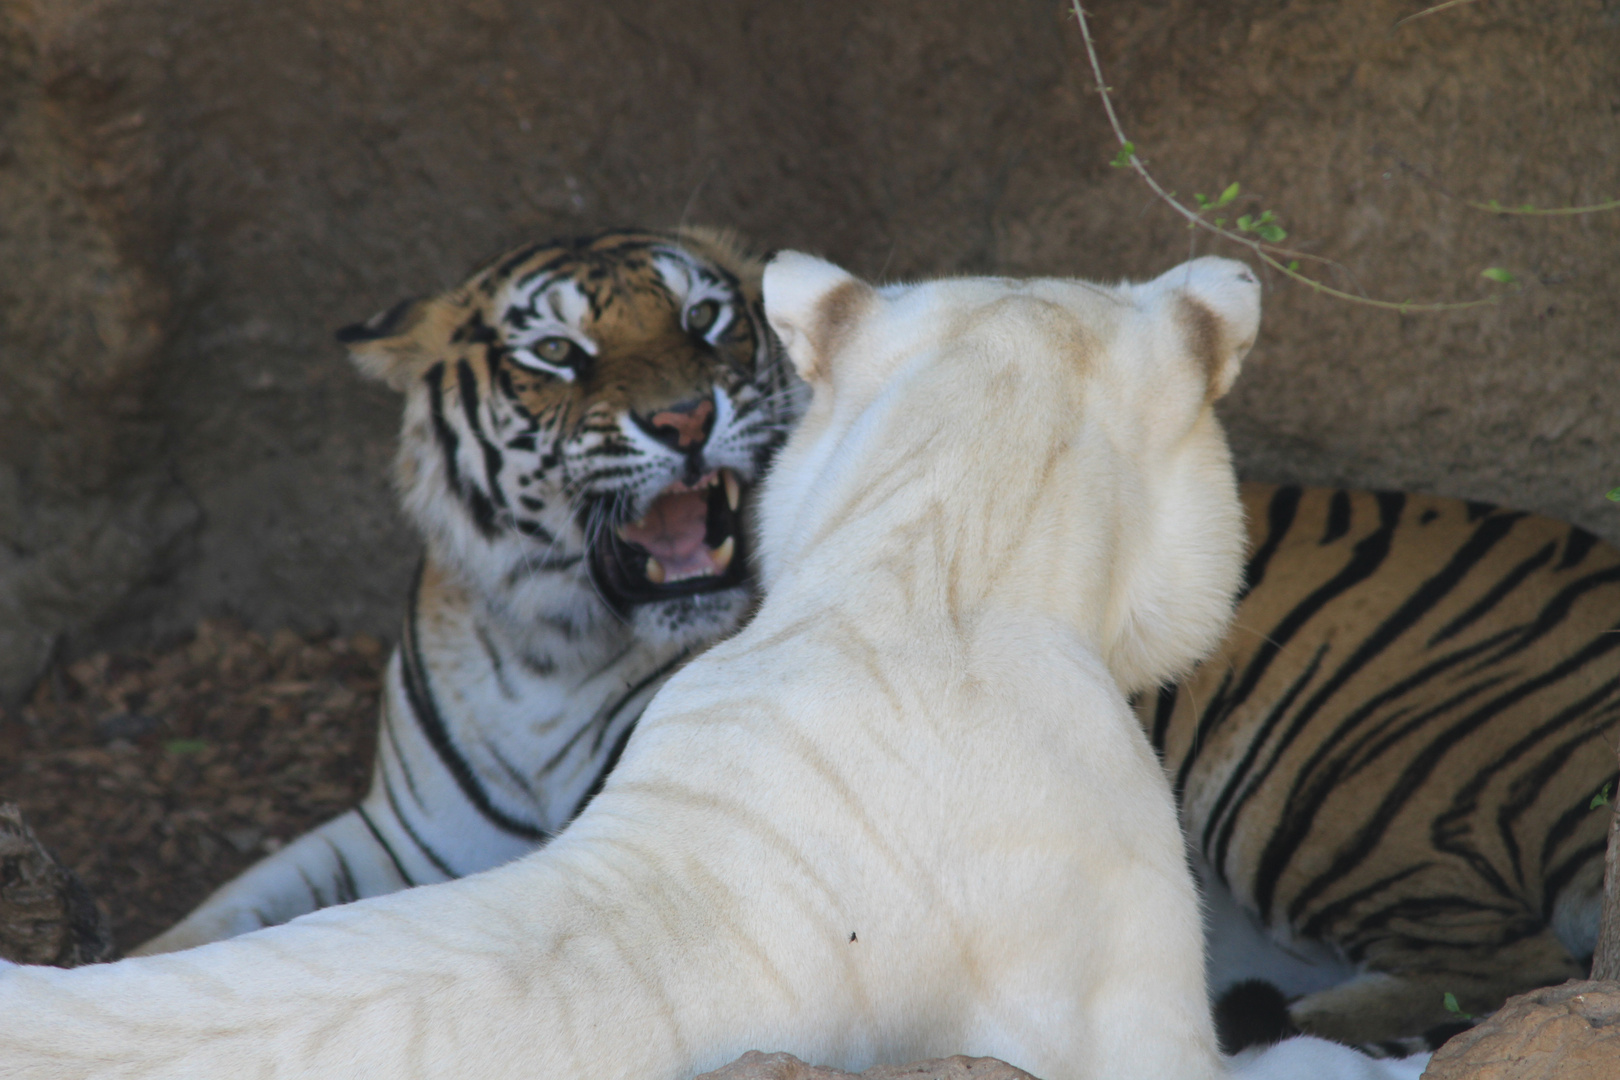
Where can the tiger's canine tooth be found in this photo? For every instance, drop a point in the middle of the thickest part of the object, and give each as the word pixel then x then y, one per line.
pixel 722 554
pixel 655 571
pixel 733 491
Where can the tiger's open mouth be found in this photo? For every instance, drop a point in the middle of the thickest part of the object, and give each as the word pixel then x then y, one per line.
pixel 689 541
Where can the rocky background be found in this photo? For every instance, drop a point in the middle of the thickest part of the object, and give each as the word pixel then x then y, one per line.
pixel 192 196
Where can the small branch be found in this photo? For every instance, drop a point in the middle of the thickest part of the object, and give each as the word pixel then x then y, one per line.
pixel 1266 253
pixel 1430 11
pixel 1494 207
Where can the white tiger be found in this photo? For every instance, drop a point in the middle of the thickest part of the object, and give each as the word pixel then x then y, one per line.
pixel 574 410
pixel 905 812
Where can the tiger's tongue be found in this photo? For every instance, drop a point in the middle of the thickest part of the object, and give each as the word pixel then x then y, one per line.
pixel 673 532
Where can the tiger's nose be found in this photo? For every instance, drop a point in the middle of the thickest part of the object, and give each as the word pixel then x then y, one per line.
pixel 684 427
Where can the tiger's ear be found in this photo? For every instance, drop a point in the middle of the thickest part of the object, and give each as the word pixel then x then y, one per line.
pixel 813 306
pixel 389 346
pixel 1217 305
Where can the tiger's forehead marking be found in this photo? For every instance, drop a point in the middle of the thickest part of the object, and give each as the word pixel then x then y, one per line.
pixel 576 288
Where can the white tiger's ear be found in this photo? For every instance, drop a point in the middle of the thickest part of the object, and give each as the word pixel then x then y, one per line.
pixel 1217 306
pixel 813 305
pixel 388 346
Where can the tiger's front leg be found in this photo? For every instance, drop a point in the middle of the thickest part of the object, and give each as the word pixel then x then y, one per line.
pixel 413 828
pixel 1382 1004
pixel 341 861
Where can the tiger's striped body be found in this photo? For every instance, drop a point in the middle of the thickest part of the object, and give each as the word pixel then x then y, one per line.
pixel 906 812
pixel 1396 750
pixel 574 411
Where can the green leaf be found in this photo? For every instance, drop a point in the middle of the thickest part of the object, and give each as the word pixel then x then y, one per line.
pixel 1220 223
pixel 1613 496
pixel 1203 203
pixel 1272 234
pixel 1293 264
pixel 184 747
pixel 1122 160
pixel 1452 1007
pixel 1498 275
pixel 1600 799
pixel 1229 194
pixel 1245 223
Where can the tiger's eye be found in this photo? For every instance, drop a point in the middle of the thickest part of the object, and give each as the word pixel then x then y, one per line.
pixel 701 316
pixel 554 350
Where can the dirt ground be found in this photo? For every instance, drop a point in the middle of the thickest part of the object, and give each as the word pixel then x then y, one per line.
pixel 157 776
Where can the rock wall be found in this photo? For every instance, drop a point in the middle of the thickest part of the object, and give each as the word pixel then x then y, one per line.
pixel 193 195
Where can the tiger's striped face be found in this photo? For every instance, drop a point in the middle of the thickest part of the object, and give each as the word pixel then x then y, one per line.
pixel 584 421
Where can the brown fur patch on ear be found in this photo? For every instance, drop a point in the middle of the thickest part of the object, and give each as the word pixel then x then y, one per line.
pixel 1206 341
pixel 840 312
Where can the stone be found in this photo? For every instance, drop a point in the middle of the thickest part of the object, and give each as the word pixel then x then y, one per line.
pixel 193 196
pixel 1567 1032
pixel 46 914
pixel 756 1065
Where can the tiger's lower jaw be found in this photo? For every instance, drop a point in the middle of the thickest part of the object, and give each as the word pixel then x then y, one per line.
pixel 691 622
pixel 689 544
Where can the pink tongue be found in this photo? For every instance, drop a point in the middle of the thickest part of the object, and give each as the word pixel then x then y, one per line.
pixel 673 532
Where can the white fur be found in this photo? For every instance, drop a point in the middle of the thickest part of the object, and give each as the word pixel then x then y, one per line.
pixel 905 813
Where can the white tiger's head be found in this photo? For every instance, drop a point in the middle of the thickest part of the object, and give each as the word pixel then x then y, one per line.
pixel 584 419
pixel 1075 420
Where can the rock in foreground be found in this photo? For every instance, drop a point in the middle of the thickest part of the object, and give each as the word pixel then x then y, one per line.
pixel 46 914
pixel 1568 1032
pixel 755 1065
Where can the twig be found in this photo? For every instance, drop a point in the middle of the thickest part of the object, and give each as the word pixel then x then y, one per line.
pixel 1430 11
pixel 1262 251
pixel 1494 207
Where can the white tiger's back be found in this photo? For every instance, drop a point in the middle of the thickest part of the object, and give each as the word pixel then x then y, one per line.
pixel 905 813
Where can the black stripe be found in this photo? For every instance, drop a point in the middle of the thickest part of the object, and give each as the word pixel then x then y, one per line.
pixel 1494 595
pixel 419 691
pixel 1557 610
pixel 1164 708
pixel 1213 712
pixel 1417 772
pixel 404 765
pixel 449 441
pixel 602 774
pixel 1284 842
pixel 1569 822
pixel 1365 557
pixel 377 835
pixel 1559 877
pixel 495 662
pixel 478 504
pixel 1328 915
pixel 1235 779
pixel 347 890
pixel 467 383
pixel 1374 743
pixel 416 838
pixel 1529 784
pixel 630 695
pixel 1280 514
pixel 1577 547
pixel 1338 522
pixel 314 890
pixel 517 778
pixel 603 721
